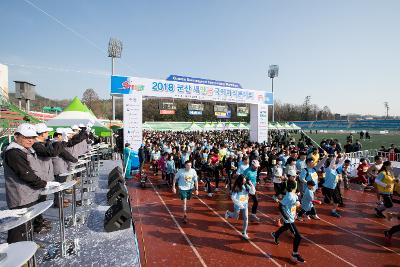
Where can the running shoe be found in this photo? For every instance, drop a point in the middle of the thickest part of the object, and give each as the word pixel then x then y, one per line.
pixel 297 257
pixel 300 219
pixel 379 213
pixel 388 237
pixel 216 189
pixel 185 220
pixel 227 215
pixel 276 241
pixel 254 218
pixel 210 194
pixel 245 236
pixel 335 214
pixel 315 217
pixel 308 217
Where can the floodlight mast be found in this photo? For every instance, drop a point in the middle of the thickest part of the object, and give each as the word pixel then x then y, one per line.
pixel 114 51
pixel 272 73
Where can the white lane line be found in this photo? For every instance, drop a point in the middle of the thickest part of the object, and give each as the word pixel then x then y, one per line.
pixel 367 205
pixel 387 226
pixel 179 227
pixel 234 228
pixel 357 235
pixel 321 247
pixel 363 238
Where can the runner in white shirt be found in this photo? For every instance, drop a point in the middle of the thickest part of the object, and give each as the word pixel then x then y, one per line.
pixel 187 179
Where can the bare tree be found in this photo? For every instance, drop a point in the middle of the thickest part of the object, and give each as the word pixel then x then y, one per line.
pixel 90 97
pixel 387 109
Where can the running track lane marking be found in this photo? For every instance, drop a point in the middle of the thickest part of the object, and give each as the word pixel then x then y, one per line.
pixel 233 227
pixel 366 239
pixel 179 227
pixel 321 247
pixel 351 232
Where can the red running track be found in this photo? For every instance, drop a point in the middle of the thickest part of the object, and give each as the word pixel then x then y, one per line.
pixel 208 239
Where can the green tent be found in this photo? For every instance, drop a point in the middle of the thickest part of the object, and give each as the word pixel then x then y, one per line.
pixel 78 113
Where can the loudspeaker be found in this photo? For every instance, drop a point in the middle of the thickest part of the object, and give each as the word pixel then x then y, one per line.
pixel 118 216
pixel 115 171
pixel 116 179
pixel 116 193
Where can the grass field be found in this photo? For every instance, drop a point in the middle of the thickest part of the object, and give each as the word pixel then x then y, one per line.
pixel 376 141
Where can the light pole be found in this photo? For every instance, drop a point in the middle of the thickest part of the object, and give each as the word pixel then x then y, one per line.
pixel 272 73
pixel 114 51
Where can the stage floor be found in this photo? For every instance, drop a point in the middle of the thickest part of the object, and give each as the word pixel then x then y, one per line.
pixel 96 247
pixel 208 239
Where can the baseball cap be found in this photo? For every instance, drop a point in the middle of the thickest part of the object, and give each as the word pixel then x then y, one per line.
pixel 42 128
pixel 82 125
pixel 27 130
pixel 68 130
pixel 75 127
pixel 255 163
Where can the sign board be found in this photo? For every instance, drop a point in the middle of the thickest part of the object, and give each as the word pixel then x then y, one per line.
pixel 184 90
pixel 168 105
pixel 167 111
pixel 223 115
pixel 133 120
pixel 195 112
pixel 259 123
pixel 4 80
pixel 242 111
pixel 177 78
pixel 195 106
pixel 219 108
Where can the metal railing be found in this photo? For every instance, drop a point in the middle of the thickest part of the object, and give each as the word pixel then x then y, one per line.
pixel 370 154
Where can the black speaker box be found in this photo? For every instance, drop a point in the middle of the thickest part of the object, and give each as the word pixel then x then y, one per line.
pixel 115 193
pixel 115 180
pixel 118 216
pixel 115 171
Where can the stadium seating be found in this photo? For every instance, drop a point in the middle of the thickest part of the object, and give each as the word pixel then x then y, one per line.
pixel 393 125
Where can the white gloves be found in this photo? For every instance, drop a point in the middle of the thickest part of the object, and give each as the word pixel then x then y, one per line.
pixel 12 213
pixel 52 184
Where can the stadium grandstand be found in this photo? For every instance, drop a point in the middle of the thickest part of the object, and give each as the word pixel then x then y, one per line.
pixel 337 125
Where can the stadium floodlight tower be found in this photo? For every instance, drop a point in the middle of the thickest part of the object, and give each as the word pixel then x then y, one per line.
pixel 114 51
pixel 272 73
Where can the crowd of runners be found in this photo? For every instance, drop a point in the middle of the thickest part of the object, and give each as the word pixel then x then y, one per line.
pixel 304 174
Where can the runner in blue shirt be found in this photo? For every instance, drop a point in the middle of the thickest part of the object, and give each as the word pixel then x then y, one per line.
pixel 187 179
pixel 288 207
pixel 240 197
pixel 251 174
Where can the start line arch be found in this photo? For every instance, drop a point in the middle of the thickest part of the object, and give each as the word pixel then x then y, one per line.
pixel 134 88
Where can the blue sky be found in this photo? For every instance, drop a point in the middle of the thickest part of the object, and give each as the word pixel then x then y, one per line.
pixel 343 53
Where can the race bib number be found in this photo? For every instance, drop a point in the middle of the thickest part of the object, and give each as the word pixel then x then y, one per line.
pixel 314 176
pixel 188 178
pixel 243 199
pixel 293 210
